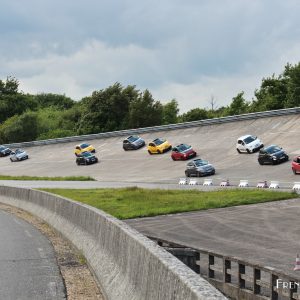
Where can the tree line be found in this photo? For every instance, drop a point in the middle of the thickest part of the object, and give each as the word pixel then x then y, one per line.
pixel 26 117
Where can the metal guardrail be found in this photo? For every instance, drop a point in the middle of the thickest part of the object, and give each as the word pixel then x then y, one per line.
pixel 250 116
pixel 236 278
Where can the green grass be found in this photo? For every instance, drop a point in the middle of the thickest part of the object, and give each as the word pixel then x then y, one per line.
pixel 135 202
pixel 58 178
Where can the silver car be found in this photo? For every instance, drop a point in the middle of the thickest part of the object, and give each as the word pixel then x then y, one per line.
pixel 18 155
pixel 199 167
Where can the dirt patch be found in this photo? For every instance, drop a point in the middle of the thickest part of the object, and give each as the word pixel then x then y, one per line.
pixel 79 281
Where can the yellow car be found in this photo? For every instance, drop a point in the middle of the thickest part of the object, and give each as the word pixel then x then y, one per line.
pixel 84 148
pixel 159 146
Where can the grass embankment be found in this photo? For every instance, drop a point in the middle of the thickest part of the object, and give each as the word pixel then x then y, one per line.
pixel 135 202
pixel 58 178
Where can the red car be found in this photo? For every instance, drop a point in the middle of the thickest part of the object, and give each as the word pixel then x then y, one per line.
pixel 183 152
pixel 296 165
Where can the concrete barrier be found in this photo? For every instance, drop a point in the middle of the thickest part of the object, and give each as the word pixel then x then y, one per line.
pixel 126 264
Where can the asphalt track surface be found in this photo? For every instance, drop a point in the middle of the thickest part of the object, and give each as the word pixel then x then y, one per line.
pixel 27 262
pixel 266 233
pixel 215 143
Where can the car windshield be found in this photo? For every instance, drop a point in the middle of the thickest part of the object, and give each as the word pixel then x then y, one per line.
pixel 273 149
pixel 200 162
pixel 87 154
pixel 133 138
pixel 82 146
pixel 250 139
pixel 158 141
pixel 183 147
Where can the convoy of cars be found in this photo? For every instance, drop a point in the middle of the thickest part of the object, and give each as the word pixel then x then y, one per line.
pixel 133 142
pixel 86 158
pixel 272 155
pixel 18 155
pixel 84 152
pixel 183 152
pixel 159 146
pixel 248 143
pixel 4 151
pixel 199 167
pixel 84 148
pixel 296 165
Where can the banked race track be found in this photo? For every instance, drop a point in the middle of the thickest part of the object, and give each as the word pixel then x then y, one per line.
pixel 215 143
pixel 265 234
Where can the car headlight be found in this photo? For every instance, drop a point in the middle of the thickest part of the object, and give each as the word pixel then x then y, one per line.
pixel 274 157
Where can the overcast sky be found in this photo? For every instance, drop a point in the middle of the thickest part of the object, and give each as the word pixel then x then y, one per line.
pixel 187 50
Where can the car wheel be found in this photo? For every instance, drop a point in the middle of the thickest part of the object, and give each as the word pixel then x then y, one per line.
pixel 198 174
pixel 248 151
pixel 238 150
pixel 187 174
pixel 294 171
pixel 125 149
pixel 26 157
pixel 77 162
pixel 173 157
pixel 260 162
pixel 159 152
pixel 213 172
pixel 11 160
pixel 149 152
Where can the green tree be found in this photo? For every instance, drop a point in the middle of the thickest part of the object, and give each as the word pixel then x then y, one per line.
pixel 144 111
pixel 170 112
pixel 47 99
pixel 194 115
pixel 21 128
pixel 238 105
pixel 107 110
pixel 292 77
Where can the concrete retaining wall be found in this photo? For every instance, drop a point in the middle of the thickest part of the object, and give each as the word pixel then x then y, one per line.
pixel 126 264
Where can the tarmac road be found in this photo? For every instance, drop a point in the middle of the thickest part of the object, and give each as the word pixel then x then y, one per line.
pixel 266 233
pixel 27 262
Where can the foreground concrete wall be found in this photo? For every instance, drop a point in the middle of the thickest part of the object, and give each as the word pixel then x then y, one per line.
pixel 126 264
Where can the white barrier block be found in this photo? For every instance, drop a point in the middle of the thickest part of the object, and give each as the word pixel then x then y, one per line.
pixel 244 183
pixel 207 182
pixel 225 183
pixel 274 185
pixel 262 184
pixel 296 186
pixel 182 181
pixel 193 181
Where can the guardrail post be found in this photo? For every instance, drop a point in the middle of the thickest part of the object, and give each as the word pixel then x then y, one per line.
pixel 197 262
pixel 226 266
pixel 241 272
pixel 273 282
pixel 211 262
pixel 256 276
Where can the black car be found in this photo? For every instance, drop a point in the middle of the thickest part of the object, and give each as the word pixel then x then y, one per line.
pixel 4 151
pixel 272 155
pixel 199 167
pixel 86 158
pixel 133 142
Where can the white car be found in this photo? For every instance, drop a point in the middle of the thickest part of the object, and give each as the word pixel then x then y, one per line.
pixel 248 143
pixel 18 155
